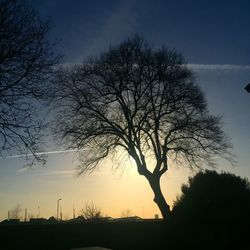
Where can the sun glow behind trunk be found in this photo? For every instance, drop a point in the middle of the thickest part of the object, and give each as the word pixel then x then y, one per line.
pixel 112 187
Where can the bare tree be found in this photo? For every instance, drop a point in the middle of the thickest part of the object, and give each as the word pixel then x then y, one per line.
pixel 144 102
pixel 90 211
pixel 15 213
pixel 126 213
pixel 31 216
pixel 26 62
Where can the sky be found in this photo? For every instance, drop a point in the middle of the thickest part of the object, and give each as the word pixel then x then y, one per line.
pixel 212 35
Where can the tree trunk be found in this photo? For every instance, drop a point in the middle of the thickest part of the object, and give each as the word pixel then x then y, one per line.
pixel 158 197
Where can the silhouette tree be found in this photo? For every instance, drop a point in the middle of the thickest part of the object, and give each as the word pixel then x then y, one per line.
pixel 90 211
pixel 142 101
pixel 16 211
pixel 126 213
pixel 213 204
pixel 26 62
pixel 220 195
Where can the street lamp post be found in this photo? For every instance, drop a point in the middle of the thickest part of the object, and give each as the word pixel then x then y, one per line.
pixel 58 208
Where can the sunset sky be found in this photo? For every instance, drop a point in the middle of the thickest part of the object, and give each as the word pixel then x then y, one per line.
pixel 214 38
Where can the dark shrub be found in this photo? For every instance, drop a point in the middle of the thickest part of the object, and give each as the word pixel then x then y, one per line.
pixel 213 209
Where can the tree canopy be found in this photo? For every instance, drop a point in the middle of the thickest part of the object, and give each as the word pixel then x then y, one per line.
pixel 26 63
pixel 142 101
pixel 214 196
pixel 213 209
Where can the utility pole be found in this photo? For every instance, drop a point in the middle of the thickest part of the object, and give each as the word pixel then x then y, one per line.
pixel 38 211
pixel 9 215
pixel 25 215
pixel 57 209
pixel 61 212
pixel 74 215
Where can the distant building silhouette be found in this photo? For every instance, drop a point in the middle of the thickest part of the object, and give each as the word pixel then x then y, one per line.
pixel 132 218
pixel 11 221
pixel 52 219
pixel 38 221
pixel 78 219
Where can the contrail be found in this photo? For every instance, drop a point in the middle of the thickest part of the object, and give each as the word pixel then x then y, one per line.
pixel 195 66
pixel 218 67
pixel 39 153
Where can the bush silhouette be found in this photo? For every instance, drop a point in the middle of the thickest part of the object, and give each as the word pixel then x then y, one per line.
pixel 213 208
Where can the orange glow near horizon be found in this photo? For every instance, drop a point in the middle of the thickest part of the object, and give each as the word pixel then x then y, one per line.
pixel 112 190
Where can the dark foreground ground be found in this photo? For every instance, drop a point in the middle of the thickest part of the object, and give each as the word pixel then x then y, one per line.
pixel 129 235
pixel 118 235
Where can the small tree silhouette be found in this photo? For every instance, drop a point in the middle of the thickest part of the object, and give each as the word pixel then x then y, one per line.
pixel 126 213
pixel 90 211
pixel 16 211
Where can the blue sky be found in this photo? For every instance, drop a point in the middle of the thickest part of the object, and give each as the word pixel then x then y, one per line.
pixel 206 31
pixel 214 38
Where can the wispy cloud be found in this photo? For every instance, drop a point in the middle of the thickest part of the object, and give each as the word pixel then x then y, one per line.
pixel 59 173
pixel 196 66
pixel 116 26
pixel 39 153
pixel 218 67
